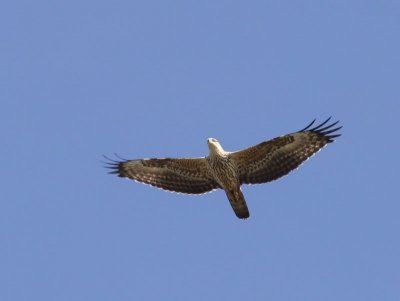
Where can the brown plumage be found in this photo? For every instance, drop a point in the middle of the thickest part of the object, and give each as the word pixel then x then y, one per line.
pixel 261 163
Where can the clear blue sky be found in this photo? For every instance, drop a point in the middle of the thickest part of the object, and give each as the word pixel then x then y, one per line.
pixel 79 79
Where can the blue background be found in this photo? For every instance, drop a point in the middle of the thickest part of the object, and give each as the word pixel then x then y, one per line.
pixel 79 79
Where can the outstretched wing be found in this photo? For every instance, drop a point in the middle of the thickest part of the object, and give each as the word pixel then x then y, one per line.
pixel 179 175
pixel 275 158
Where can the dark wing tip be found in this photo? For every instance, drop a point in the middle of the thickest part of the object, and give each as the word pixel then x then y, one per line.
pixel 114 165
pixel 324 130
pixel 306 128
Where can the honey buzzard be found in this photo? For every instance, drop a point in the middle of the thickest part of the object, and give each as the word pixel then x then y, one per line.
pixel 261 163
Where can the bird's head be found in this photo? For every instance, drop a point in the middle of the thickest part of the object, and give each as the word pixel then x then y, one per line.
pixel 214 146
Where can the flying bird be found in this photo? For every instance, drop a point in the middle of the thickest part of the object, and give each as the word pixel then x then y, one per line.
pixel 258 164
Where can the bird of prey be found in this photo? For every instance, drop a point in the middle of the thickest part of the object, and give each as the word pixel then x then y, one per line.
pixel 261 163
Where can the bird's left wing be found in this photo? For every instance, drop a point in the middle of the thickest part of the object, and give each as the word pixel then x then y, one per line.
pixel 179 175
pixel 275 158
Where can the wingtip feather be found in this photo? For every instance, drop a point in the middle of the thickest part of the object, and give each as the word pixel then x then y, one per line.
pixel 324 130
pixel 114 165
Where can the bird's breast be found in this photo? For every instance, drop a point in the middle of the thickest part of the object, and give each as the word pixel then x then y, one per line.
pixel 224 171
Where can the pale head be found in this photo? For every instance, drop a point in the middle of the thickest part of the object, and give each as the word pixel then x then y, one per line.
pixel 214 146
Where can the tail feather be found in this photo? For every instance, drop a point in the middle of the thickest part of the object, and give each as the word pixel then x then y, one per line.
pixel 238 203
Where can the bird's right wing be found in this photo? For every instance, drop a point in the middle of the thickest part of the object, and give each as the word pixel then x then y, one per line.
pixel 179 175
pixel 275 158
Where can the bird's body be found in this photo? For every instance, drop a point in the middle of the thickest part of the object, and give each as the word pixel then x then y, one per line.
pixel 262 163
pixel 226 174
